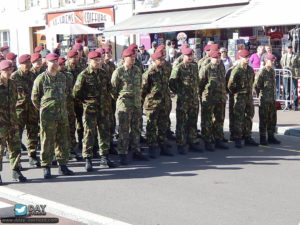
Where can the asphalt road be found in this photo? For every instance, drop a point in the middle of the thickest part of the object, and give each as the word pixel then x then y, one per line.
pixel 228 187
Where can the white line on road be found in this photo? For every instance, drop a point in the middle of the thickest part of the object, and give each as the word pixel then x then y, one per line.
pixel 58 208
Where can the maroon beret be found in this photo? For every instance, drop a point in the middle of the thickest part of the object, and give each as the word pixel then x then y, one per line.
pixel 187 51
pixel 61 60
pixel 214 47
pixel 157 55
pixel 270 57
pixel 244 53
pixel 51 57
pixel 185 45
pixel 72 53
pixel 5 64
pixel 160 48
pixel 35 57
pixel 24 58
pixel 207 48
pixel 78 47
pixel 4 48
pixel 94 54
pixel 100 50
pixel 38 49
pixel 107 49
pixel 78 40
pixel 214 54
pixel 133 46
pixel 11 56
pixel 128 52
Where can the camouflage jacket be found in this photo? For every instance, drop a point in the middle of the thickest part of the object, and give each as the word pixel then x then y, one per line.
pixel 69 91
pixel 35 73
pixel 184 82
pixel 265 85
pixel 205 59
pixel 49 96
pixel 82 63
pixel 212 83
pixel 8 100
pixel 92 89
pixel 75 72
pixel 136 63
pixel 178 60
pixel 241 80
pixel 292 63
pixel 109 67
pixel 126 87
pixel 24 87
pixel 155 90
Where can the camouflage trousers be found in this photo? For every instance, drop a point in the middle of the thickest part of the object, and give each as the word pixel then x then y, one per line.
pixel 10 138
pixel 129 129
pixel 231 114
pixel 243 112
pixel 79 123
pixel 212 121
pixel 96 125
pixel 55 140
pixel 168 110
pixel 157 126
pixel 267 118
pixel 30 120
pixel 186 123
pixel 112 119
pixel 72 126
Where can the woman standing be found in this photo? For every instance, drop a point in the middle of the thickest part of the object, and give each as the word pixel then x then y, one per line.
pixel 225 59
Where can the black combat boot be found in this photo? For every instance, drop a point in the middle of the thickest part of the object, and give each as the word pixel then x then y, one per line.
pixel 88 164
pixel 64 170
pixel 23 147
pixel 249 141
pixel 238 143
pixel 106 163
pixel 18 176
pixel 165 150
pixel 182 149
pixel 263 140
pixel 47 172
pixel 209 146
pixel 195 147
pixel 154 152
pixel 96 154
pixel 138 156
pixel 123 159
pixel 273 140
pixel 34 161
pixel 221 144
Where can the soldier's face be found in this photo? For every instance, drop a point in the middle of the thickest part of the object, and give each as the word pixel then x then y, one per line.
pixel 130 60
pixel 188 58
pixel 245 61
pixel 62 67
pixel 107 56
pixel 38 63
pixel 96 63
pixel 159 63
pixel 53 65
pixel 6 73
pixel 270 63
pixel 215 60
pixel 80 52
pixel 25 67
pixel 74 60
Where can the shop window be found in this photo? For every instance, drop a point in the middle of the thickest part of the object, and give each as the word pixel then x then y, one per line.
pixel 4 38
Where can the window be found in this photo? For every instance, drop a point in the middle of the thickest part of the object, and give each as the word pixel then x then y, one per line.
pixel 4 38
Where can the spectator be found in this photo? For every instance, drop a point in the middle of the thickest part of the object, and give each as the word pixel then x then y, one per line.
pixel 168 45
pixel 143 56
pixel 225 59
pixel 154 46
pixel 172 52
pixel 268 50
pixel 255 58
pixel 57 49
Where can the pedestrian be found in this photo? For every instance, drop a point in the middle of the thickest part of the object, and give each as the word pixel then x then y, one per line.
pixel 12 58
pixel 172 53
pixel 264 86
pixel 92 89
pixel 57 49
pixel 256 58
pixel 49 97
pixel 82 60
pixel 155 95
pixel 227 62
pixel 143 56
pixel 9 132
pixel 213 92
pixel 291 61
pixel 154 46
pixel 184 82
pixel 126 86
pixel 27 114
pixel 240 84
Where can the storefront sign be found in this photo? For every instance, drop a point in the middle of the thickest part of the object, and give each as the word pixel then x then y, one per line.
pixel 161 5
pixel 145 39
pixel 94 16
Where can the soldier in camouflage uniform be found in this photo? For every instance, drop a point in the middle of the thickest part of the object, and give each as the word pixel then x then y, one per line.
pixel 241 85
pixel 213 91
pixel 201 61
pixel 180 58
pixel 49 97
pixel 82 60
pixel 26 112
pixel 9 130
pixel 265 87
pixel 110 67
pixel 92 89
pixel 184 82
pixel 155 95
pixel 12 58
pixel 36 60
pixel 231 104
pixel 136 61
pixel 126 86
pixel 72 68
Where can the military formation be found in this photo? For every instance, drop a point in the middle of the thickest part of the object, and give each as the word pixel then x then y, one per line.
pixel 72 105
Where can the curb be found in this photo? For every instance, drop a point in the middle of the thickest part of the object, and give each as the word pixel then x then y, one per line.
pixel 58 208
